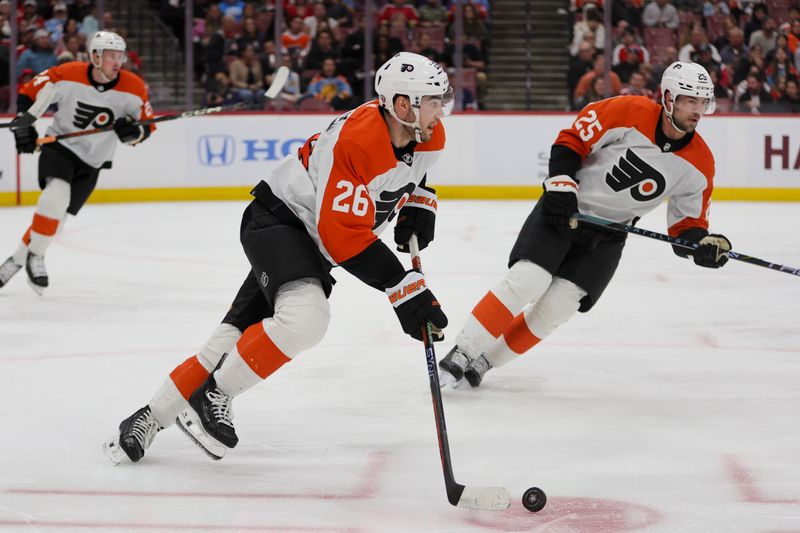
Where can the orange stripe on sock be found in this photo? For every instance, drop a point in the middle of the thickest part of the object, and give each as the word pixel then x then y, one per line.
pixel 189 375
pixel 43 225
pixel 259 352
pixel 27 237
pixel 518 335
pixel 492 314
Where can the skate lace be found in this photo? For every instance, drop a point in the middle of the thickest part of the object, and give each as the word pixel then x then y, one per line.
pixel 36 264
pixel 221 407
pixel 8 269
pixel 144 429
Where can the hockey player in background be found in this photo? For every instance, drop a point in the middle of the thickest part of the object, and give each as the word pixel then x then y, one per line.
pixel 88 95
pixel 620 159
pixel 323 207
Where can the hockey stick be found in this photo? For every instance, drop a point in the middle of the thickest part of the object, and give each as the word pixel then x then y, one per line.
pixel 278 81
pixel 683 243
pixel 480 498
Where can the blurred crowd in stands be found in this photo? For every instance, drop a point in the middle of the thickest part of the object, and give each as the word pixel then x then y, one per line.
pixel 322 42
pixel 749 48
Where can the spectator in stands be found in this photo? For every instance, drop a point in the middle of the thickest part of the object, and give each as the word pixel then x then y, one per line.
pixel 629 11
pixel 637 86
pixel 790 101
pixel 295 40
pixel 251 36
pixel 754 60
pixel 632 61
pixel 474 28
pixel 721 90
pixel 722 38
pixel 756 22
pixel 55 25
pixel 71 51
pixel 660 14
pixel 223 42
pixel 692 48
pixel 433 12
pixel 793 38
pixel 736 49
pixel 30 15
pixel 108 22
pixel 78 9
pixel 329 87
pixel 26 39
pixel 424 47
pixel 318 19
pixel 766 37
pixel 5 27
pixel 41 56
pixel 324 47
pixel 595 93
pixel 386 46
pixel 341 13
pixel 247 77
pixel 754 96
pixel 713 8
pixel 291 92
pixel 627 46
pixel 598 69
pixel 71 29
pixel 232 8
pixel 89 24
pixel 592 23
pixel 219 91
pixel 212 22
pixel 780 65
pixel 397 10
pixel 25 76
pixel 580 65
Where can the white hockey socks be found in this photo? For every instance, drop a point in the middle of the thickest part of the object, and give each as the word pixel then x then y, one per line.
pixel 525 282
pixel 50 210
pixel 301 318
pixel 561 300
pixel 171 398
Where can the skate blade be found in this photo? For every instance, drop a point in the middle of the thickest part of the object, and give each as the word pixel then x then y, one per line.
pixel 190 424
pixel 447 380
pixel 113 452
pixel 36 288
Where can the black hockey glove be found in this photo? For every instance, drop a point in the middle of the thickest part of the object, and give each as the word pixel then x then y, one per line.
pixel 418 215
pixel 415 305
pixel 712 251
pixel 25 133
pixel 128 131
pixel 560 201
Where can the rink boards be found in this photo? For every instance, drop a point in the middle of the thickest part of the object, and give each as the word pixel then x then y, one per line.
pixel 488 155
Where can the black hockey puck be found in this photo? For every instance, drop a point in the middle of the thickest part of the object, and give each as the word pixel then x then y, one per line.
pixel 534 499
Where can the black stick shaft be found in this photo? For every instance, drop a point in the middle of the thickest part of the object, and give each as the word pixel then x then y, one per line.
pixel 683 243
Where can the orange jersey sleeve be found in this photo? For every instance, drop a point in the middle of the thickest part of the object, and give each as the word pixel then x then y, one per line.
pixel 131 83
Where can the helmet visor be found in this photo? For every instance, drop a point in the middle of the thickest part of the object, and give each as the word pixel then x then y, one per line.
pixel 439 103
pixel 695 104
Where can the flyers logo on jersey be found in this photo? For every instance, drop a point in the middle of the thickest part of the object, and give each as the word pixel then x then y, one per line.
pixel 86 114
pixel 632 173
pixel 407 290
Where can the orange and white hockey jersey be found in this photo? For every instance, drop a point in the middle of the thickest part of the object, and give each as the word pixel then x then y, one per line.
pixel 346 184
pixel 629 166
pixel 84 104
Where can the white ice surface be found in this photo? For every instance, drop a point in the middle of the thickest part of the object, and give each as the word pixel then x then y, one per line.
pixel 670 407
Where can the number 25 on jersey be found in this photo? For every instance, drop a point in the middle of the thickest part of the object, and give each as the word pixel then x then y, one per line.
pixel 353 198
pixel 587 125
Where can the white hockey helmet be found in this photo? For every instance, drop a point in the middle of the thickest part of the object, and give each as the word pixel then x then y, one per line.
pixel 105 40
pixel 688 79
pixel 414 76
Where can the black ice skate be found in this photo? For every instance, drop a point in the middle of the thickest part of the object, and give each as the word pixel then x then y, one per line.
pixel 452 366
pixel 209 419
pixel 7 270
pixel 135 435
pixel 476 369
pixel 37 273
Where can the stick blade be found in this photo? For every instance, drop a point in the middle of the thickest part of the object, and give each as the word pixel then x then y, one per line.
pixel 278 81
pixel 484 498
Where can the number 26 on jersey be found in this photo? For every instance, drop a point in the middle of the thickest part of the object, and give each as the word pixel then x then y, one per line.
pixel 353 198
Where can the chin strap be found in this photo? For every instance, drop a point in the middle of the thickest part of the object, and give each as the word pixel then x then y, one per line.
pixel 669 114
pixel 415 125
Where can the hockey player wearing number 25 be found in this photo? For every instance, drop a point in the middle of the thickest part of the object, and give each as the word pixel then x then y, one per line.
pixel 324 206
pixel 620 159
pixel 88 96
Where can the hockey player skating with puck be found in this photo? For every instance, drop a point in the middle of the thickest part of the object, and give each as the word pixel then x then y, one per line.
pixel 88 96
pixel 324 206
pixel 620 159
